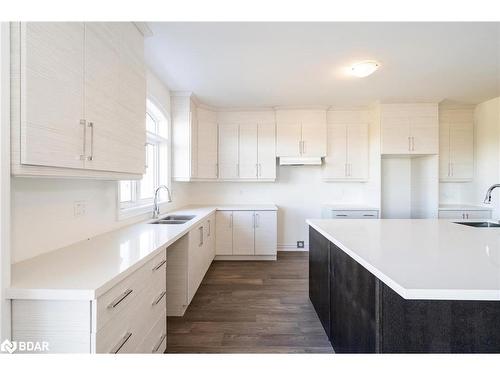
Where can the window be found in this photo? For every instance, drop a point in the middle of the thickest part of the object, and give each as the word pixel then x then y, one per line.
pixel 136 197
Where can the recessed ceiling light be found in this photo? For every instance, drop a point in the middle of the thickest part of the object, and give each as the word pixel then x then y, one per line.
pixel 364 68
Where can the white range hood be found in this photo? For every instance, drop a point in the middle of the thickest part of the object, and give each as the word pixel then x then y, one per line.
pixel 300 160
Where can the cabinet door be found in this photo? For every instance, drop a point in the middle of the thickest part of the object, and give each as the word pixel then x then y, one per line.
pixel 462 151
pixel 357 151
pixel 224 233
pixel 313 139
pixel 248 151
pixel 243 233
pixel 424 131
pixel 115 97
pixel 395 133
pixel 484 215
pixel 52 94
pixel 451 214
pixel 266 151
pixel 207 150
pixel 444 151
pixel 228 151
pixel 266 233
pixel 335 161
pixel 288 137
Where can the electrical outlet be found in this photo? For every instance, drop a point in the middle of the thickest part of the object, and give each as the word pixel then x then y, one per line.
pixel 300 244
pixel 80 208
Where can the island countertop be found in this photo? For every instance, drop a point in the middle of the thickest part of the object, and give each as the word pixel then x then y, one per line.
pixel 426 259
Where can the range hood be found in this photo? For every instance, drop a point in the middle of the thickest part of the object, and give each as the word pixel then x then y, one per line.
pixel 300 160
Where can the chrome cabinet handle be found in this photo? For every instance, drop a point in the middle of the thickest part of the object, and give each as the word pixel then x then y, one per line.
pixel 231 220
pixel 159 265
pixel 158 344
pixel 120 298
pixel 84 123
pixel 253 217
pixel 260 170
pixel 201 236
pixel 209 227
pixel 91 156
pixel 304 147
pixel 257 220
pixel 451 169
pixel 159 298
pixel 409 143
pixel 216 170
pixel 122 342
pixel 341 215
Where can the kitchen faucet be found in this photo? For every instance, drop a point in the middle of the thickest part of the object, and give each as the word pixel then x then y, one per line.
pixel 487 198
pixel 156 208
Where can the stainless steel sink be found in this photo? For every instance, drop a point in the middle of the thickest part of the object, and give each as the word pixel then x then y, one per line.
pixel 169 222
pixel 174 219
pixel 480 224
pixel 178 217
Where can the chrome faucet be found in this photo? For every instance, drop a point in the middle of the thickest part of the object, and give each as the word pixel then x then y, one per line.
pixel 156 208
pixel 487 198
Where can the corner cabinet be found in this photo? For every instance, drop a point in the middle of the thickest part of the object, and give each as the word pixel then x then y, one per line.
pixel 409 129
pixel 78 100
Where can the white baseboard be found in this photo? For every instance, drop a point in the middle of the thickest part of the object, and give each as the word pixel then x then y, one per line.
pixel 286 247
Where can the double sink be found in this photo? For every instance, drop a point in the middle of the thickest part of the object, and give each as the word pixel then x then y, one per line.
pixel 174 219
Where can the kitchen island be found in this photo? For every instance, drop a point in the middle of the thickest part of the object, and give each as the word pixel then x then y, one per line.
pixel 406 286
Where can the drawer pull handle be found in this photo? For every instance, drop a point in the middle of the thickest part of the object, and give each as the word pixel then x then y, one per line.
pixel 120 298
pixel 157 346
pixel 159 298
pixel 368 215
pixel 122 342
pixel 341 215
pixel 158 266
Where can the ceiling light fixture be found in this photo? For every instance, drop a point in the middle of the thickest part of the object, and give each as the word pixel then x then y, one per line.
pixel 364 68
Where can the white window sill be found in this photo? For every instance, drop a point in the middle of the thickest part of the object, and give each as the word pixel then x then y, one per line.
pixel 130 212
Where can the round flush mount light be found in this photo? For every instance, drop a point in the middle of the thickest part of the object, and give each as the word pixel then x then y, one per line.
pixel 364 68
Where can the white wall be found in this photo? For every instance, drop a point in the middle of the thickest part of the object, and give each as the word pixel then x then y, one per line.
pixel 410 187
pixel 43 209
pixel 487 151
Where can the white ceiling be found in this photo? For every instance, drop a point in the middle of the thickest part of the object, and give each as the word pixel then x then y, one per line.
pixel 302 64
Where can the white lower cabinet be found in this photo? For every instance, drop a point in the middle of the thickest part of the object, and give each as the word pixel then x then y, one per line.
pixel 246 234
pixel 128 318
pixel 465 214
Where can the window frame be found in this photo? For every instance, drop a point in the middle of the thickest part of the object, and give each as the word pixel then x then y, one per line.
pixel 137 206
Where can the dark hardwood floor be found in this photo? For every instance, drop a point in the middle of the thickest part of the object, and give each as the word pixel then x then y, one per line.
pixel 251 307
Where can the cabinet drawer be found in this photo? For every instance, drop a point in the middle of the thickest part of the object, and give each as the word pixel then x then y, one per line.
pixel 120 296
pixel 156 339
pixel 352 214
pixel 130 326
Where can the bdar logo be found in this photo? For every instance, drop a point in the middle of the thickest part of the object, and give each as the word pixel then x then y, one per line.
pixel 8 346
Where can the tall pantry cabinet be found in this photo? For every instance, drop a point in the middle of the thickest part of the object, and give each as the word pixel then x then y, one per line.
pixel 78 99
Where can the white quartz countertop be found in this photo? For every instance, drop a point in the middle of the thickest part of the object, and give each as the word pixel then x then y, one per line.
pixel 422 258
pixel 87 269
pixel 464 207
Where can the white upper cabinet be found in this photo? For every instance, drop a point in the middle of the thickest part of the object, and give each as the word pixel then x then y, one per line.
pixel 300 133
pixel 115 92
pixel 207 145
pixel 266 151
pixel 347 152
pixel 228 151
pixel 79 100
pixel 456 145
pixel 52 81
pixel 248 161
pixel 409 129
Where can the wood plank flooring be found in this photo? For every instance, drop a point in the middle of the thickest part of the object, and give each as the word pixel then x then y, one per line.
pixel 251 307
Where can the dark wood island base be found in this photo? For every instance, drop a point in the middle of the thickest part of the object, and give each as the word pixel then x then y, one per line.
pixel 361 314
